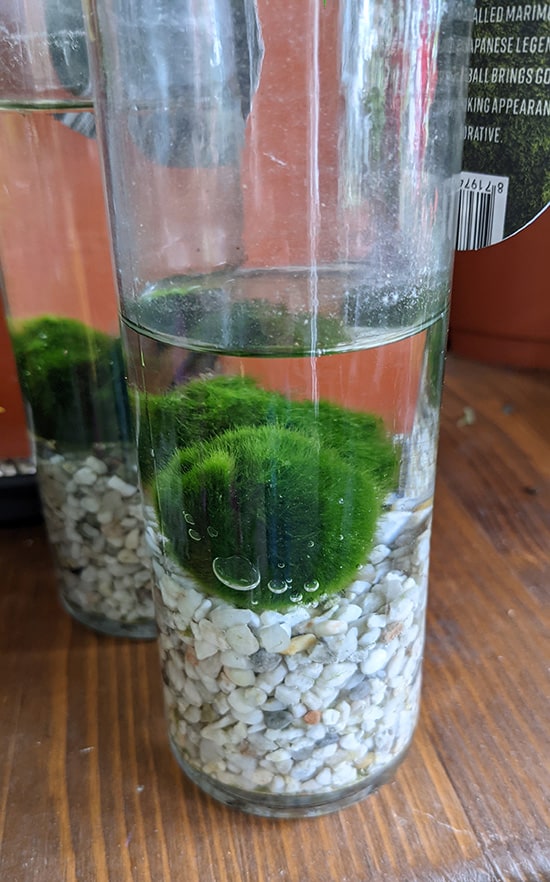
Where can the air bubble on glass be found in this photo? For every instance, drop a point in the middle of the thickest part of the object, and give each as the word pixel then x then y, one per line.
pixel 312 585
pixel 277 586
pixel 236 572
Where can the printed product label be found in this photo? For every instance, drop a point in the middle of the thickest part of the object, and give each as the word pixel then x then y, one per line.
pixel 506 179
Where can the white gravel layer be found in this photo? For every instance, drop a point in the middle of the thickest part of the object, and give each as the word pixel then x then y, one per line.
pixel 93 515
pixel 308 701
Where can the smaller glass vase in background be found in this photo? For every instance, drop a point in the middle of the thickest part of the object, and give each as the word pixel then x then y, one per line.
pixel 61 307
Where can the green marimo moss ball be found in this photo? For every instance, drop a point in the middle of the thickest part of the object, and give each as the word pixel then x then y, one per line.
pixel 203 408
pixel 360 438
pixel 198 411
pixel 267 514
pixel 73 379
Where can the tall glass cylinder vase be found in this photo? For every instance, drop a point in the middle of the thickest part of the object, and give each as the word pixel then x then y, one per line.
pixel 282 188
pixel 61 301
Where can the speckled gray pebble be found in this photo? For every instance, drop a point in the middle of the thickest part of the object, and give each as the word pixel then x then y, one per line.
pixel 263 661
pixel 278 719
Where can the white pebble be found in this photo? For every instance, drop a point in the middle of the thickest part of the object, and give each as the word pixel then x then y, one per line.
pixel 90 504
pixel 223 617
pixel 391 525
pixel 232 659
pixel 359 587
pixel 379 553
pixel 132 539
pixel 210 666
pixel 261 777
pixel 241 639
pixel 205 631
pixel 330 716
pixel 324 778
pixel 297 680
pixel 274 638
pixel 126 556
pixel 278 784
pixel 278 756
pixel 271 617
pixel 203 609
pixel 313 670
pixel 192 714
pixel 270 679
pixel 214 732
pixel 255 697
pixel 240 676
pixel 329 628
pixel 188 600
pixel 370 636
pixel 96 465
pixel 350 613
pixel 116 483
pixel 343 774
pixel 105 517
pixel 287 695
pixel 411 634
pixel 239 702
pixel 251 717
pixel 392 587
pixel 204 649
pixel 400 609
pixel 344 645
pixel 85 476
pixel 317 732
pixel 191 693
pixel 335 675
pixel 312 701
pixel 350 742
pixel 377 621
pixel 396 663
pixel 374 661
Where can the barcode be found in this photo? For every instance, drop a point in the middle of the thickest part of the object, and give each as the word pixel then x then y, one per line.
pixel 481 210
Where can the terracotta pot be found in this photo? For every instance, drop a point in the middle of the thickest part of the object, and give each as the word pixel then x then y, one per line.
pixel 500 308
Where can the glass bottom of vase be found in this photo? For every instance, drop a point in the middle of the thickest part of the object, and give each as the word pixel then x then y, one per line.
pixel 295 805
pixel 141 629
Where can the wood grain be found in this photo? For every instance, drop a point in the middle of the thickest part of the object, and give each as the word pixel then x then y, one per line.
pixel 89 791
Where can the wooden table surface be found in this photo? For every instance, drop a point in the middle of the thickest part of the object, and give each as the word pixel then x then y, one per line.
pixel 89 790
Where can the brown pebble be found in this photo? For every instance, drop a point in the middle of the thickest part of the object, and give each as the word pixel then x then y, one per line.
pixel 312 717
pixel 392 631
pixel 301 643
